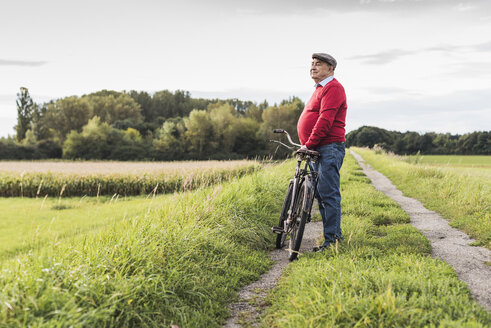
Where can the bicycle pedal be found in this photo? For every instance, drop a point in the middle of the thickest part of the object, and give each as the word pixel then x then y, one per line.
pixel 278 230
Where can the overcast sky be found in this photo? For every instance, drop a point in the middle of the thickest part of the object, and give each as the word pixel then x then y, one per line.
pixel 419 65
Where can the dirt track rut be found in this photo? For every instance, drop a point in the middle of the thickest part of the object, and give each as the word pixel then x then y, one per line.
pixel 251 297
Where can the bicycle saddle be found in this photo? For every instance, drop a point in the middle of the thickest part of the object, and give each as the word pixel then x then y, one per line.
pixel 309 152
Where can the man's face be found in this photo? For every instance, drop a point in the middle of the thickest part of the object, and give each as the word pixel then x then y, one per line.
pixel 320 70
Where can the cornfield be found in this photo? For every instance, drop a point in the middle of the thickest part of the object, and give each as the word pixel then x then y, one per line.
pixel 38 179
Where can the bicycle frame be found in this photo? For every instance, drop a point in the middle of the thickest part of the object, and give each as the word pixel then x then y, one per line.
pixel 310 177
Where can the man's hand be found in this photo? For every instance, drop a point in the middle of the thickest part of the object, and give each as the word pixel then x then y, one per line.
pixel 302 149
pixel 306 151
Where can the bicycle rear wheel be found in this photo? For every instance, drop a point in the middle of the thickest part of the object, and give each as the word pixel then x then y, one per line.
pixel 299 220
pixel 280 238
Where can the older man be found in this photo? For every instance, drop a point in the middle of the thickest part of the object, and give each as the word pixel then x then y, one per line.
pixel 321 128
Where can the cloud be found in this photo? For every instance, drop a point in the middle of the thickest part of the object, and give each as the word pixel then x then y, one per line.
pixel 383 57
pixel 473 68
pixel 6 62
pixel 255 7
pixel 444 48
pixel 458 112
pixel 479 47
pixel 483 47
pixel 459 101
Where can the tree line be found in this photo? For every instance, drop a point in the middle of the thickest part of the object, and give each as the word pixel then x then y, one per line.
pixel 165 125
pixel 410 143
pixel 136 125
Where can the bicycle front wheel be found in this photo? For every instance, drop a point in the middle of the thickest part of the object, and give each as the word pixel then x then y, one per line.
pixel 280 238
pixel 299 220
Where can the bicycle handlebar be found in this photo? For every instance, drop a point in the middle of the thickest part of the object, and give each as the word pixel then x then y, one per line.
pixel 304 151
pixel 288 136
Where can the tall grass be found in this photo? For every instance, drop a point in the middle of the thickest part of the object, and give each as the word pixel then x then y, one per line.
pixel 380 276
pixel 457 194
pixel 178 264
pixel 139 182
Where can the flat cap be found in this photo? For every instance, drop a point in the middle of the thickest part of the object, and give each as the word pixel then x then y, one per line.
pixel 325 58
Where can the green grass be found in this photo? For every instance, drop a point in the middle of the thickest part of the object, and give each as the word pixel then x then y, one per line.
pixel 28 223
pixel 380 276
pixel 452 160
pixel 179 263
pixel 461 195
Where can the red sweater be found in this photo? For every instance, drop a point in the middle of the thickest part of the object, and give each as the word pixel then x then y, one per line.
pixel 324 116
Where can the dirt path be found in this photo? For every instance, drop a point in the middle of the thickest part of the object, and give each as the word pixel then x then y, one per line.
pixel 251 298
pixel 449 244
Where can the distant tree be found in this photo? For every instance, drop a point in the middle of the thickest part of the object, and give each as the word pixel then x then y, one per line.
pixel 254 112
pixel 169 143
pixel 95 141
pixel 167 104
pixel 199 134
pixel 162 104
pixel 412 142
pixel 112 108
pixel 63 116
pixel 429 143
pixel 182 101
pixel 49 149
pixel 105 93
pixel 30 139
pixel 285 116
pixel 247 141
pixel 295 103
pixel 200 103
pixel 131 146
pixel 467 142
pixel 144 99
pixel 224 122
pixel 368 136
pixel 25 107
pixel 427 146
pixel 483 145
pixel 240 106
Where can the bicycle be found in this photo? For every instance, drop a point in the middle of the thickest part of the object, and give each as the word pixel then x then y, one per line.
pixel 297 206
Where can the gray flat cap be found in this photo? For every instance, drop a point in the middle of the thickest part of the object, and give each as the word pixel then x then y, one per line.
pixel 325 58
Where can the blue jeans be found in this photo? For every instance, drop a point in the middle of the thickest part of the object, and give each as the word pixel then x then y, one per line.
pixel 327 192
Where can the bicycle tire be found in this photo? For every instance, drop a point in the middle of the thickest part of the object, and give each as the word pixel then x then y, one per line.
pixel 300 216
pixel 280 238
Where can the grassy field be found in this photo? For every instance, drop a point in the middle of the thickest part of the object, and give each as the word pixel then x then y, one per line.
pixel 177 261
pixel 452 160
pixel 380 276
pixel 29 223
pixel 460 194
pixel 180 259
pixel 38 178
pixel 109 167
